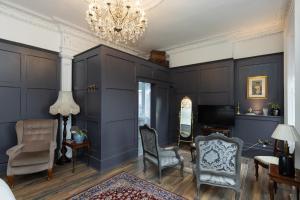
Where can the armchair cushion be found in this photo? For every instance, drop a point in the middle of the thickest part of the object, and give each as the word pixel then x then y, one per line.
pixel 219 180
pixel 30 158
pixel 167 158
pixel 36 146
pixel 267 160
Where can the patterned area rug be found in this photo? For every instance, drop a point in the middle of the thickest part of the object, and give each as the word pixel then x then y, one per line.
pixel 125 187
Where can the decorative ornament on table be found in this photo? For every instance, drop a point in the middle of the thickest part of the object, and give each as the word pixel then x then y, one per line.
pixel 275 109
pixel 78 135
pixel 238 109
pixel 265 111
pixel 250 112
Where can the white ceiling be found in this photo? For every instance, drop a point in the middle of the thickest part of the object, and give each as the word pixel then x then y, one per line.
pixel 175 22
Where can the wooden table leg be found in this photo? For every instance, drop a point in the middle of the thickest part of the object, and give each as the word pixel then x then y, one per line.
pixel 88 156
pixel 271 189
pixel 297 193
pixel 74 159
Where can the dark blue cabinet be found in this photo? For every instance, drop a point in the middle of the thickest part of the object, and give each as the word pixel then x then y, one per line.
pixel 109 112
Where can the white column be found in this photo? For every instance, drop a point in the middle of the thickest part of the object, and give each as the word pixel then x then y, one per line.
pixel 66 85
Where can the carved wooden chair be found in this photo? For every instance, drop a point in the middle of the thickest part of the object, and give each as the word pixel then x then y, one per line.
pixel 265 161
pixel 218 162
pixel 35 149
pixel 161 157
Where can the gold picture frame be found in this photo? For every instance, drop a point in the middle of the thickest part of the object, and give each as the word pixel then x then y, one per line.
pixel 257 87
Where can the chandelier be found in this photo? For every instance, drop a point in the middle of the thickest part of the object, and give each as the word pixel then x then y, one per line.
pixel 119 21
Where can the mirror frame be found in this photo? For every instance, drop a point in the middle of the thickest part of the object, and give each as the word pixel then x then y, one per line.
pixel 190 138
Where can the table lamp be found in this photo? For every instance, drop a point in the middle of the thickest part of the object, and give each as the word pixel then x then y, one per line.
pixel 65 106
pixel 286 133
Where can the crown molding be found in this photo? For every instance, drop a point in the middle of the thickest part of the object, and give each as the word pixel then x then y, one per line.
pixel 229 37
pixel 74 39
pixel 25 15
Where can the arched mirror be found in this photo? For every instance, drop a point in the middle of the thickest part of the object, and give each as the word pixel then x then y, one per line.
pixel 185 121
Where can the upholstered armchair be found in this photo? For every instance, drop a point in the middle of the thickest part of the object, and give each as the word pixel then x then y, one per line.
pixel 218 162
pixel 35 149
pixel 161 157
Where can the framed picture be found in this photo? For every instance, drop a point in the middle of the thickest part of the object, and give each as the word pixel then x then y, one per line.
pixel 257 87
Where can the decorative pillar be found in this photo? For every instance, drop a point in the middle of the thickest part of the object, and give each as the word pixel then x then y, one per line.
pixel 66 85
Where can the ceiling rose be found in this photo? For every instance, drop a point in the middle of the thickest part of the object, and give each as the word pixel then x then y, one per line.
pixel 118 21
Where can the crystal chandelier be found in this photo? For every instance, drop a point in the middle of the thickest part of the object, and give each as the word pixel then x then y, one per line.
pixel 119 21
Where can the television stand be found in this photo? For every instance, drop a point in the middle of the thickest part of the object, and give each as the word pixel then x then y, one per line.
pixel 209 130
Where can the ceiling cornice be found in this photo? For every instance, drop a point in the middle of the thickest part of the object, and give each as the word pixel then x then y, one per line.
pixel 23 14
pixel 234 36
pixel 65 28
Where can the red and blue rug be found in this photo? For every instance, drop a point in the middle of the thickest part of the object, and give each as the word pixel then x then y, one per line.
pixel 124 186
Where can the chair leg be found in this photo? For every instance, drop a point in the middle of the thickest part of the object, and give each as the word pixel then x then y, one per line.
pixel 145 167
pixel 10 180
pixel 237 195
pixel 256 169
pixel 50 174
pixel 159 175
pixel 197 197
pixel 181 169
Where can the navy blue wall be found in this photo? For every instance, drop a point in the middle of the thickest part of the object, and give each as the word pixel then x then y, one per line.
pixel 224 83
pixel 269 65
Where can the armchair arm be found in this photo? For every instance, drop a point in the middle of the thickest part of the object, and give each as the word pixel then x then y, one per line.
pixel 53 146
pixel 171 148
pixel 14 150
pixel 174 149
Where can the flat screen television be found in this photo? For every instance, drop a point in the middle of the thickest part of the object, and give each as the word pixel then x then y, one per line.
pixel 216 116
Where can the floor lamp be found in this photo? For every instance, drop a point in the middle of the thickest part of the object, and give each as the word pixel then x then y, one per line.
pixel 65 106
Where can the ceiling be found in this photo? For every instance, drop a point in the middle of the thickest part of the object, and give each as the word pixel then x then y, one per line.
pixel 176 22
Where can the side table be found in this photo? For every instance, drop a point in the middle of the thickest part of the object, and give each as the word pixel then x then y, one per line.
pixel 275 178
pixel 74 146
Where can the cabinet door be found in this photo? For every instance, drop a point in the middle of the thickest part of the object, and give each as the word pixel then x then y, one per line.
pixel 86 73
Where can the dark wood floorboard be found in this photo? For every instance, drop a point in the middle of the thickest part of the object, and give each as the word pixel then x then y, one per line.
pixel 65 184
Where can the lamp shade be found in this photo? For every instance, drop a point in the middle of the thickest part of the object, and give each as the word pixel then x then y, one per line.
pixel 285 132
pixel 64 105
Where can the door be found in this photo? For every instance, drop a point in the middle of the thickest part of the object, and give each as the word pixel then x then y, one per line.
pixel 144 109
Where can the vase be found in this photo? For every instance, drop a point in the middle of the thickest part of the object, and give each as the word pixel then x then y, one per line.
pixel 275 112
pixel 78 138
pixel 265 111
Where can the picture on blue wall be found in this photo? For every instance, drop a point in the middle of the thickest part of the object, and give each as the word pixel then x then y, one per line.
pixel 257 87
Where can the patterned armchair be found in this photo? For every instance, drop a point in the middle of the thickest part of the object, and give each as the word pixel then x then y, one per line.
pixel 161 157
pixel 218 162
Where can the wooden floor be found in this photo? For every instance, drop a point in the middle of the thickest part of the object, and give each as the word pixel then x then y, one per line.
pixel 65 184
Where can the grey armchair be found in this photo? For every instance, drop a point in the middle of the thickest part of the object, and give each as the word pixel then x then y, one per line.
pixel 161 157
pixel 35 149
pixel 218 162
